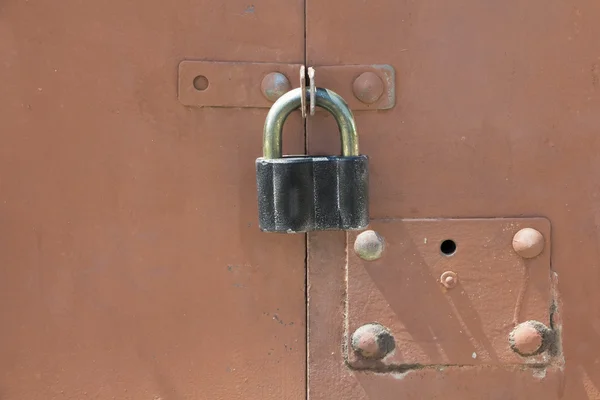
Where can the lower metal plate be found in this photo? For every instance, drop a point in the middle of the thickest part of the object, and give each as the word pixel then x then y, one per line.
pixel 468 324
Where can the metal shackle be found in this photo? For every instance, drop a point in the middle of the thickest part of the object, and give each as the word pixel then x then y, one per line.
pixel 291 101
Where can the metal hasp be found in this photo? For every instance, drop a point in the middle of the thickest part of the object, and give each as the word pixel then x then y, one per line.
pixel 312 193
pixel 365 87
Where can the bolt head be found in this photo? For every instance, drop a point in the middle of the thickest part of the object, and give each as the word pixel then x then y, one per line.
pixel 368 87
pixel 528 243
pixel 449 279
pixel 529 338
pixel 369 245
pixel 274 85
pixel 373 341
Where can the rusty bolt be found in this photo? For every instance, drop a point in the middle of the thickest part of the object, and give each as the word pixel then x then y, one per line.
pixel 449 279
pixel 373 341
pixel 369 245
pixel 528 243
pixel 274 85
pixel 529 338
pixel 368 87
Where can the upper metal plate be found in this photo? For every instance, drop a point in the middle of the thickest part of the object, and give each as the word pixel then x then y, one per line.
pixel 238 84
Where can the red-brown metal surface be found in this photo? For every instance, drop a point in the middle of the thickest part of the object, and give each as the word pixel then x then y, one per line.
pixel 131 264
pixel 496 116
pixel 466 323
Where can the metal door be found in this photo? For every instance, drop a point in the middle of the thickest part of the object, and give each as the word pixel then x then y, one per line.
pixel 131 263
pixel 131 266
pixel 495 129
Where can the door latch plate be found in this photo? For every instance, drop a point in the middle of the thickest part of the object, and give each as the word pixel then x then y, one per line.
pixel 431 324
pixel 238 84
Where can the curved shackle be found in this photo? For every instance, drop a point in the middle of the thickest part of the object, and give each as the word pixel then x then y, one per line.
pixel 291 101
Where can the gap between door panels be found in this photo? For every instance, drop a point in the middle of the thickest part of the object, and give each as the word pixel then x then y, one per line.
pixel 306 349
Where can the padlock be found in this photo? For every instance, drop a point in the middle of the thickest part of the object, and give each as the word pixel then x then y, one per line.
pixel 312 193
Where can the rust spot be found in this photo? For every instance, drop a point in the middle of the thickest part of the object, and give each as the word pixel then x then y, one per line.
pixel 595 70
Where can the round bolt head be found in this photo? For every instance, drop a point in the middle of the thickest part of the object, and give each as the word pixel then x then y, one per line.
pixel 373 341
pixel 274 85
pixel 449 279
pixel 529 338
pixel 369 245
pixel 528 243
pixel 368 87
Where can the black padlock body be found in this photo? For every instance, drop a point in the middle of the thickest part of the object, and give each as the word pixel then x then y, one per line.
pixel 306 193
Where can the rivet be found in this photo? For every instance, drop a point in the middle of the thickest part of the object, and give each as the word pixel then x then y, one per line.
pixel 368 87
pixel 528 243
pixel 274 85
pixel 529 338
pixel 369 245
pixel 373 341
pixel 449 279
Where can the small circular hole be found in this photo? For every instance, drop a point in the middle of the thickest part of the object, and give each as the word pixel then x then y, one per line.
pixel 448 247
pixel 201 83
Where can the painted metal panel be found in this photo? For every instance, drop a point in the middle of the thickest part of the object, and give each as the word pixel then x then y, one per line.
pixel 496 116
pixel 131 265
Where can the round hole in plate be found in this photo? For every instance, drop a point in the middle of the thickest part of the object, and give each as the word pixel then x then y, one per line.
pixel 201 83
pixel 448 247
